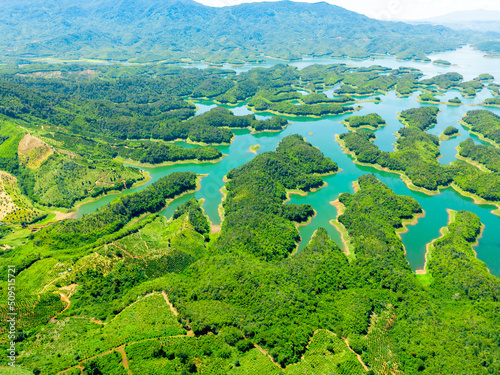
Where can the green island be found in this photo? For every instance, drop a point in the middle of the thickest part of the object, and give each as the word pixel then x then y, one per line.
pixel 429 97
pixel 254 148
pixel 415 158
pixel 448 254
pixel 371 121
pixel 484 123
pixel 448 133
pixel 492 102
pixel 441 62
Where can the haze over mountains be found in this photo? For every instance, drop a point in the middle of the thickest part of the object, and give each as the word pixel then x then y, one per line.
pixel 479 20
pixel 148 30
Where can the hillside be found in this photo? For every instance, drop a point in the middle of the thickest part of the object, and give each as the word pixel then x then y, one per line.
pixel 146 30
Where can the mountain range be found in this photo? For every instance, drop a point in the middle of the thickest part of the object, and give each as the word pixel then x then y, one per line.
pixel 172 30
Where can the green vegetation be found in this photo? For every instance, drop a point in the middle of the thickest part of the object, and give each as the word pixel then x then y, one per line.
pixel 371 121
pixel 56 178
pixel 428 97
pixel 448 133
pixel 454 266
pixel 255 220
pixel 485 123
pixel 444 82
pixel 449 81
pixel 157 153
pixel 108 220
pixel 126 290
pixel 105 32
pixel 366 83
pixel 488 156
pixel 234 296
pixel 441 62
pixel 422 118
pixel 450 130
pixel 62 180
pixel 371 217
pixel 408 81
pixel 260 105
pixel 455 100
pixel 485 77
pixel 492 102
pixel 416 157
pixel 195 216
pixel 14 206
pixel 254 148
pixel 412 54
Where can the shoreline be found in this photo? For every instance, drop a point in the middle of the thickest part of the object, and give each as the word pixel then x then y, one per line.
pixel 470 161
pixel 402 175
pixel 168 163
pixel 220 207
pixel 253 149
pixel 444 137
pixel 74 210
pixel 310 116
pixel 298 225
pixel 479 135
pixel 304 193
pixel 197 188
pixel 369 127
pixel 443 232
pixel 477 200
pixel 307 222
pixel 344 235
pixel 405 224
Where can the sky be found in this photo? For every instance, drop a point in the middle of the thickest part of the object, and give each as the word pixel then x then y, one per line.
pixel 394 9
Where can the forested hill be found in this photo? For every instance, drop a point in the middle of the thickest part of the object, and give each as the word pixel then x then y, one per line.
pixel 149 30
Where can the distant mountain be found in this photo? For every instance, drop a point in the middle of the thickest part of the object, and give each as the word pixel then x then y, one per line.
pixel 479 15
pixel 478 20
pixel 171 30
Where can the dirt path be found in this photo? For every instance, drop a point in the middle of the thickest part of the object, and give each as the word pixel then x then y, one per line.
pixel 145 244
pixel 130 255
pixel 357 355
pixel 124 362
pixel 190 332
pixel 343 339
pixel 100 178
pixel 121 349
pixel 65 298
pixel 77 366
pixel 263 351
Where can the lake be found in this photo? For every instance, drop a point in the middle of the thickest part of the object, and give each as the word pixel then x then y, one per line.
pixel 321 133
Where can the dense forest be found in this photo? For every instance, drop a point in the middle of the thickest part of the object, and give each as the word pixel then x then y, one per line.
pixel 485 123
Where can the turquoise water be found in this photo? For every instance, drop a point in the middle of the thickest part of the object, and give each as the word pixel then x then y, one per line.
pixel 323 136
